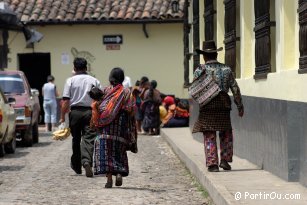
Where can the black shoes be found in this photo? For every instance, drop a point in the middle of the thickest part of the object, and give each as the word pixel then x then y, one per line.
pixel 119 180
pixel 213 168
pixel 109 184
pixel 224 164
pixel 88 170
pixel 77 170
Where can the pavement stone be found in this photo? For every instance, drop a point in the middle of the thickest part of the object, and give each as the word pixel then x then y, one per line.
pixel 244 184
pixel 41 175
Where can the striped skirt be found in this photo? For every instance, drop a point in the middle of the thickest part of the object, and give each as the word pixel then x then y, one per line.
pixel 110 148
pixel 110 155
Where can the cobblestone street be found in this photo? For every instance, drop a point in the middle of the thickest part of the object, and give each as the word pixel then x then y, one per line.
pixel 41 175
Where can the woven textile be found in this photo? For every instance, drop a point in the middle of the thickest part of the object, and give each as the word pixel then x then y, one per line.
pixel 224 78
pixel 114 138
pixel 204 88
pixel 110 148
pixel 215 116
pixel 114 99
pixel 111 104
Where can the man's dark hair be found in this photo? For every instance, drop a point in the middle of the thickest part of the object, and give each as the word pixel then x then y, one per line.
pixel 80 64
pixel 50 78
pixel 117 76
pixel 211 56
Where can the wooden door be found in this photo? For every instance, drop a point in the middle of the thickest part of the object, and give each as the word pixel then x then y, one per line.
pixel 209 19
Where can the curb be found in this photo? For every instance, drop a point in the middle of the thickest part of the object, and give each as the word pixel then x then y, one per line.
pixel 200 174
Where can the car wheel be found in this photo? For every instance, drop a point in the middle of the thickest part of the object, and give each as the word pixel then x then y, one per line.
pixel 11 146
pixel 2 150
pixel 28 138
pixel 35 133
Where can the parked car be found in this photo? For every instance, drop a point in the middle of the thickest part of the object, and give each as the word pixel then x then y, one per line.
pixel 7 125
pixel 27 108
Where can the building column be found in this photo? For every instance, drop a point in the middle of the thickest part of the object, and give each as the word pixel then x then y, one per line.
pixel 247 39
pixel 220 31
pixel 289 37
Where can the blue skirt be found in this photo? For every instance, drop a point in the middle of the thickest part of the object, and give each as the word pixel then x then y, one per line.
pixel 110 156
pixel 110 148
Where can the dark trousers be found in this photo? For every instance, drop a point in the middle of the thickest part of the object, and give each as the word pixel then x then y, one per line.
pixel 79 123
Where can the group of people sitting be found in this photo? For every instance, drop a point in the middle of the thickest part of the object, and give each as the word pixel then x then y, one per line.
pixel 155 110
pixel 174 112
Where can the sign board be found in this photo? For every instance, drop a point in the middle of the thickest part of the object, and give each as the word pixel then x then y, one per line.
pixel 113 47
pixel 112 39
pixel 65 58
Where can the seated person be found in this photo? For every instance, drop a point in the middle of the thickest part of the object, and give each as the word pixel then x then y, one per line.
pixel 177 114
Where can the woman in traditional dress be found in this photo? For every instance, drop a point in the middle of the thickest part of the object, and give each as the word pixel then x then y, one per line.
pixel 150 107
pixel 139 91
pixel 115 123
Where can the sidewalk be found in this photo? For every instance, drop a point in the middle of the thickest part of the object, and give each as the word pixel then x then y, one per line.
pixel 246 182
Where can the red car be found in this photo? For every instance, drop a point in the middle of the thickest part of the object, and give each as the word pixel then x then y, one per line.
pixel 27 108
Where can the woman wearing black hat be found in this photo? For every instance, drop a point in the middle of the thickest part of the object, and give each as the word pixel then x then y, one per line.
pixel 215 115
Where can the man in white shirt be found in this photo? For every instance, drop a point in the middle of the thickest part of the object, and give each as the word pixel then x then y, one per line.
pixel 77 102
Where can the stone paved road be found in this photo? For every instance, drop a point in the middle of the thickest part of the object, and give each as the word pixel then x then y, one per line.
pixel 41 175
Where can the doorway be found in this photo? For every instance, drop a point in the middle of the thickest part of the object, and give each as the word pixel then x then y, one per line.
pixel 36 67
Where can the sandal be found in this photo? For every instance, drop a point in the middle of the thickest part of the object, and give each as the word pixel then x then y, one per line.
pixel 119 180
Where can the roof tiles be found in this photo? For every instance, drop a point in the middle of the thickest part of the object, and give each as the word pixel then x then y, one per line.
pixel 44 11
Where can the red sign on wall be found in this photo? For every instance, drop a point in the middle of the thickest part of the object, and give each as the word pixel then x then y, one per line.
pixel 113 47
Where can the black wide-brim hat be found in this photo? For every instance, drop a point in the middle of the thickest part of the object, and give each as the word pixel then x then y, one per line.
pixel 208 47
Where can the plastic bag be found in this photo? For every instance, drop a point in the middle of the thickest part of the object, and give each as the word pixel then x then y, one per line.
pixel 63 131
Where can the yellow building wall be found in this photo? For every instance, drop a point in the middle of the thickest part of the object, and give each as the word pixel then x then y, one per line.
pixel 191 47
pixel 290 29
pixel 247 38
pixel 220 33
pixel 285 83
pixel 201 27
pixel 160 57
